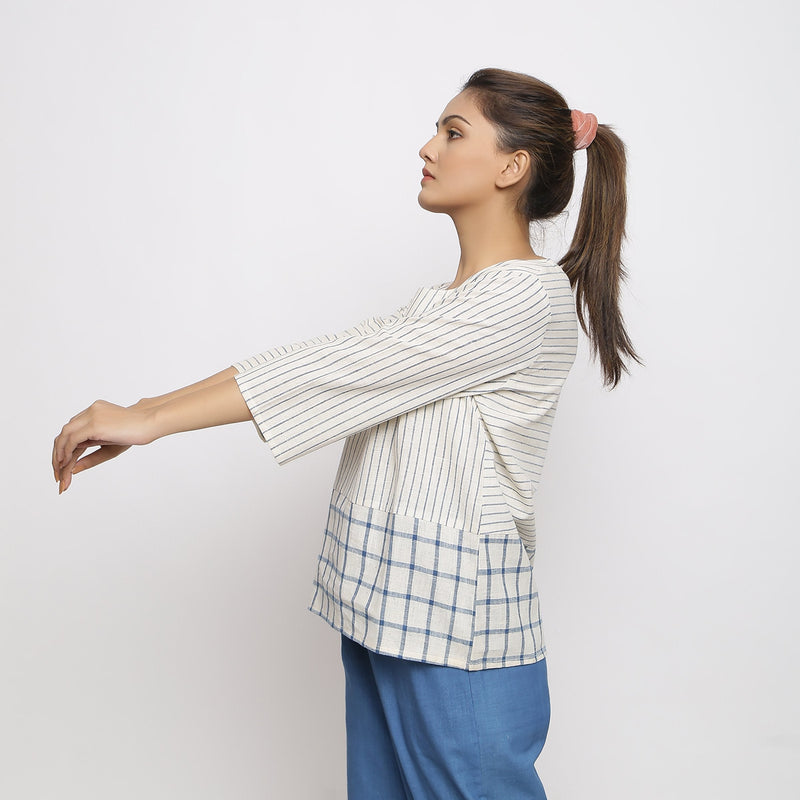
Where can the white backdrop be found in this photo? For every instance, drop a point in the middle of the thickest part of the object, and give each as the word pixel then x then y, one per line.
pixel 184 184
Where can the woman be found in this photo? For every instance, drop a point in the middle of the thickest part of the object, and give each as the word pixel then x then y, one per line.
pixel 446 408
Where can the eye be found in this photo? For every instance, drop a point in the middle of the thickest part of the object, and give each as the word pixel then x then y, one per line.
pixel 453 134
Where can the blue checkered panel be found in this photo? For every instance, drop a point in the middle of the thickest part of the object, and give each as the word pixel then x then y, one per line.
pixel 397 584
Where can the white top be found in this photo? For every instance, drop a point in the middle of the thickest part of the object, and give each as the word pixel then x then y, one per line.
pixel 446 406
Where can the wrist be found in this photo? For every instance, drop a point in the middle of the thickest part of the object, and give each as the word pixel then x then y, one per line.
pixel 156 420
pixel 145 404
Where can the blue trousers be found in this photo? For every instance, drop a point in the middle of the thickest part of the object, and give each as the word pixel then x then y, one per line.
pixel 420 731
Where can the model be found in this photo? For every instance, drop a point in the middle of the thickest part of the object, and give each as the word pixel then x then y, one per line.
pixel 445 407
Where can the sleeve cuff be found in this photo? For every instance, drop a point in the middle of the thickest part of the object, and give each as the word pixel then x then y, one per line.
pixel 264 433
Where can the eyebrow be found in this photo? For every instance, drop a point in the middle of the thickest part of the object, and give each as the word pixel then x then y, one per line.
pixel 453 116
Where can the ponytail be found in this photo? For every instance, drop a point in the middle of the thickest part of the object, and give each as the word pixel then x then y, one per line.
pixel 533 116
pixel 593 262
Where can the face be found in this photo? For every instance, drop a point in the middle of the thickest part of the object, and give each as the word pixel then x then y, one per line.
pixel 462 163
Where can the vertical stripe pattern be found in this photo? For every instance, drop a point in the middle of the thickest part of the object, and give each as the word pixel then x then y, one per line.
pixel 446 408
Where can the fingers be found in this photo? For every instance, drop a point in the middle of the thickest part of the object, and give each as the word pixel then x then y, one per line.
pixel 59 449
pixel 69 469
pixel 111 428
pixel 63 447
pixel 68 447
pixel 76 433
pixel 76 454
pixel 105 453
pixel 65 471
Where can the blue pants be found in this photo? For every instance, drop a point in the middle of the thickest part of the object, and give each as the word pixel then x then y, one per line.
pixel 425 732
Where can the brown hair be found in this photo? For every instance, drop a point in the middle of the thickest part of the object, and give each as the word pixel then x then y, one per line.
pixel 531 115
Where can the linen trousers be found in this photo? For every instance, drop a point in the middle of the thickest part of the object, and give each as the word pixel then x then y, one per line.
pixel 418 731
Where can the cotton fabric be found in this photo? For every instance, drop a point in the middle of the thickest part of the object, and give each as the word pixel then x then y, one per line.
pixel 419 731
pixel 446 407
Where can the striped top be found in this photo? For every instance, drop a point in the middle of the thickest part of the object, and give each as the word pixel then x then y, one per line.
pixel 446 407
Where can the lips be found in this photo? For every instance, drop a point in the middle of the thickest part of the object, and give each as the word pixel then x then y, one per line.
pixel 426 174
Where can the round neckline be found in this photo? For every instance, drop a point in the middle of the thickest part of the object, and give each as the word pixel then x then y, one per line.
pixel 442 287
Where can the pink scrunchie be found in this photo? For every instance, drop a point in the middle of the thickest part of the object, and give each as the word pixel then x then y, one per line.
pixel 585 127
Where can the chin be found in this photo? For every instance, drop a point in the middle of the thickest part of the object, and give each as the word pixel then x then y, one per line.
pixel 425 202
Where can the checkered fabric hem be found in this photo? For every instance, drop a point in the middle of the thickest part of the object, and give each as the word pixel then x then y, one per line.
pixel 398 585
pixel 508 626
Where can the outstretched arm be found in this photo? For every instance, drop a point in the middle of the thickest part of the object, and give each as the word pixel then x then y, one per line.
pixel 150 402
pixel 213 401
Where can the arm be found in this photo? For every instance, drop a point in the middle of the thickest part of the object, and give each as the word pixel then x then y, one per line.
pixel 446 344
pixel 213 401
pixel 150 402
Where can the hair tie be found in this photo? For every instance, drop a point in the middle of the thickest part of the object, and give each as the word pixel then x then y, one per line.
pixel 585 127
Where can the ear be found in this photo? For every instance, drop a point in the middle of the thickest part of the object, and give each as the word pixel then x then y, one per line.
pixel 515 167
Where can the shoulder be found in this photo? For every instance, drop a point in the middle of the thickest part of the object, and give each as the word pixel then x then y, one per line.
pixel 512 279
pixel 501 297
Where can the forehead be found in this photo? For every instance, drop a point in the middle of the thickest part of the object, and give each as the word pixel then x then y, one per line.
pixel 464 105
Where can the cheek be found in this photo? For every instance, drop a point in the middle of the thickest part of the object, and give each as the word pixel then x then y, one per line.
pixel 473 173
pixel 464 177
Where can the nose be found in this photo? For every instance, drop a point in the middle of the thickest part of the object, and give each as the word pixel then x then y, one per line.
pixel 426 151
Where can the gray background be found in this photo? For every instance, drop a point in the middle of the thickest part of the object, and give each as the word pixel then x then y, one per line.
pixel 183 184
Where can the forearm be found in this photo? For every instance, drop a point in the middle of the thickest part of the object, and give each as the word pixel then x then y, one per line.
pixel 147 403
pixel 214 402
pixel 114 428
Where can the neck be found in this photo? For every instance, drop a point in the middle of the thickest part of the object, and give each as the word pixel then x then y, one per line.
pixel 487 237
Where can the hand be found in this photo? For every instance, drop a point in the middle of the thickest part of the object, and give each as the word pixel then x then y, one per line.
pixel 113 428
pixel 214 401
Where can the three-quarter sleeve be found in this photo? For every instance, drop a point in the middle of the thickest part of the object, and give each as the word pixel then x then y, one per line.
pixel 313 393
